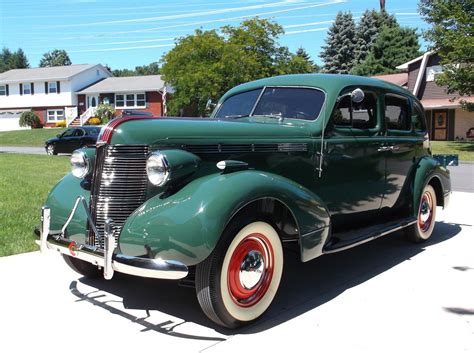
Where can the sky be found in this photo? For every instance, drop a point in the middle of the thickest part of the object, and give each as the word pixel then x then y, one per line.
pixel 127 33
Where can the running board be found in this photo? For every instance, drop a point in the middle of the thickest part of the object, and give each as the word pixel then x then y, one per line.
pixel 358 237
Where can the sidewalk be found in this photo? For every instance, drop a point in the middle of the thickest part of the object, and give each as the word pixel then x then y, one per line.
pixel 27 150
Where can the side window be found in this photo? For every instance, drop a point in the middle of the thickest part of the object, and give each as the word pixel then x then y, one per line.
pixel 78 133
pixel 397 113
pixel 420 117
pixel 364 114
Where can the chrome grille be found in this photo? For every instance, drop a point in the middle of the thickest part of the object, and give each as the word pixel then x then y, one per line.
pixel 119 186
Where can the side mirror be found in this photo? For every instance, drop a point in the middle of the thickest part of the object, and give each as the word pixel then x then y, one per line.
pixel 210 105
pixel 357 95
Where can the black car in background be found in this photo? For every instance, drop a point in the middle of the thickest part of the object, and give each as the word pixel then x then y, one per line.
pixel 72 139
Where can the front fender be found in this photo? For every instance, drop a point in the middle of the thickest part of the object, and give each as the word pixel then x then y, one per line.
pixel 186 226
pixel 427 169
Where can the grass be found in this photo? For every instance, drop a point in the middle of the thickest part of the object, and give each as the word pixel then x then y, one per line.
pixel 33 137
pixel 25 181
pixel 465 150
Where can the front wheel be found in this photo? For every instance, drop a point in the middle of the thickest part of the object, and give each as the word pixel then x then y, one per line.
pixel 422 230
pixel 237 283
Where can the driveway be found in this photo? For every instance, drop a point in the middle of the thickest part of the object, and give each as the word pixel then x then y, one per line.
pixel 27 150
pixel 384 296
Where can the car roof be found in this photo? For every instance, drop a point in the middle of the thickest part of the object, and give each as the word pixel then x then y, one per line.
pixel 331 83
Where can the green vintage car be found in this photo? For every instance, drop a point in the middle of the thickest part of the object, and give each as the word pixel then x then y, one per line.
pixel 320 163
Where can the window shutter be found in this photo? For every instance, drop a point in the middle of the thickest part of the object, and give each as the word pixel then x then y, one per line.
pixel 8 92
pixel 21 89
pixel 46 87
pixel 32 88
pixel 58 87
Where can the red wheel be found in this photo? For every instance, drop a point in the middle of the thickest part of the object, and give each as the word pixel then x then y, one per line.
pixel 238 282
pixel 424 226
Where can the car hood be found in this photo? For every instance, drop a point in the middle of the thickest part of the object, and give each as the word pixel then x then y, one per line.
pixel 160 131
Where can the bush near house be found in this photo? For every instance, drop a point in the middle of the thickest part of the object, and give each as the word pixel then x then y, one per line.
pixel 61 123
pixel 94 121
pixel 105 113
pixel 30 119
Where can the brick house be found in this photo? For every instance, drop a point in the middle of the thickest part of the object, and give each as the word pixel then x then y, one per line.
pixel 445 118
pixel 142 93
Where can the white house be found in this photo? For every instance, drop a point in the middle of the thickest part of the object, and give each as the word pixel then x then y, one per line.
pixel 50 92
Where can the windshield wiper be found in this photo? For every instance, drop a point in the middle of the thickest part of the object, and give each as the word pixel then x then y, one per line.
pixel 235 116
pixel 279 116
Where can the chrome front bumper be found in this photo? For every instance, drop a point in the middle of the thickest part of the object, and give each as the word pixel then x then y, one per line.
pixel 106 258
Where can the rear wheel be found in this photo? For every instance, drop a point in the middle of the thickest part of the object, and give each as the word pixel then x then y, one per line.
pixel 84 268
pixel 422 230
pixel 51 150
pixel 237 283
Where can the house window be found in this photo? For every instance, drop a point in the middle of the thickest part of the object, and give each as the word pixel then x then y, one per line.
pixel 130 100
pixel 55 115
pixel 27 88
pixel 432 71
pixel 52 87
pixel 3 90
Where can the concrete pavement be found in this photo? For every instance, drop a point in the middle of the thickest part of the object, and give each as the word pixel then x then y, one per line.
pixel 27 150
pixel 384 296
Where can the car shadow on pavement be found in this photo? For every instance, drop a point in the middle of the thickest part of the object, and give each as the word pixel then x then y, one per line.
pixel 304 286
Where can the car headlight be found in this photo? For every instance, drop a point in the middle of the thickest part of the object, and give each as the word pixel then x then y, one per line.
pixel 157 169
pixel 79 164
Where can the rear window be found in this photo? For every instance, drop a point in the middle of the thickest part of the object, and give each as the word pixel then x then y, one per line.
pixel 397 112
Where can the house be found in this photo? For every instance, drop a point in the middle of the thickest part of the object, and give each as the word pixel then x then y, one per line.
pixel 72 93
pixel 48 91
pixel 143 93
pixel 444 115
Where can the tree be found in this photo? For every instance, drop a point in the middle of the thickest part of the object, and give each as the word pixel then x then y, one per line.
pixel 393 46
pixel 55 57
pixel 206 64
pixel 150 69
pixel 13 60
pixel 29 119
pixel 452 37
pixel 366 33
pixel 338 54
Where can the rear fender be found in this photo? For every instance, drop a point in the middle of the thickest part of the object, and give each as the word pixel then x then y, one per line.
pixel 430 171
pixel 186 226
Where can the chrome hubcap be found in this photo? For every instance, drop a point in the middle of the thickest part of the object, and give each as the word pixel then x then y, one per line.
pixel 252 269
pixel 50 149
pixel 425 213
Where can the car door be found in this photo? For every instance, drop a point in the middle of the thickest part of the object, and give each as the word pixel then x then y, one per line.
pixel 64 141
pixel 77 140
pixel 401 147
pixel 353 177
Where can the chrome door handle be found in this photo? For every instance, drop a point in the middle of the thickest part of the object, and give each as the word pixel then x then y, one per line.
pixel 383 149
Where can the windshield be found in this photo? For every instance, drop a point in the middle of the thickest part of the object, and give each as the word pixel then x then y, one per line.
pixel 282 102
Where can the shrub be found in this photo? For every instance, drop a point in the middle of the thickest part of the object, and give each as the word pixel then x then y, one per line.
pixel 105 113
pixel 94 121
pixel 30 119
pixel 61 123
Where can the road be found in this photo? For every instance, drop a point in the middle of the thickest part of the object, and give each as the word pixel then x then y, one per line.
pixel 385 296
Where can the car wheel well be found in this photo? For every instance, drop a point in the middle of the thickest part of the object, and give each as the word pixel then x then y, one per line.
pixel 276 213
pixel 438 188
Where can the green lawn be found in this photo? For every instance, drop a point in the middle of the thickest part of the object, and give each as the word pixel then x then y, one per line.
pixel 25 181
pixel 465 150
pixel 33 137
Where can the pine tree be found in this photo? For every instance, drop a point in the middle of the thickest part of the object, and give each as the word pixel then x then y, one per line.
pixel 366 33
pixel 393 46
pixel 339 52
pixel 19 60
